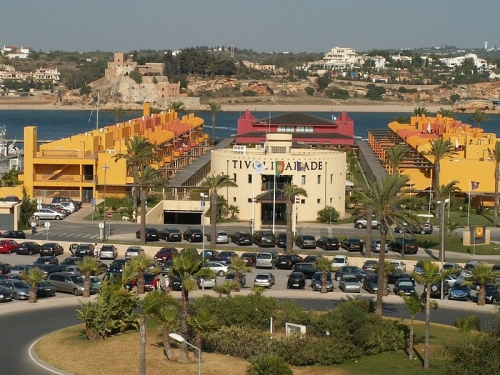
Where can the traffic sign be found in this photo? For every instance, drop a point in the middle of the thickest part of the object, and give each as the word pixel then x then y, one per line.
pixel 202 204
pixel 47 224
pixel 38 206
pixel 101 225
pixel 109 215
pixel 92 202
pixel 39 201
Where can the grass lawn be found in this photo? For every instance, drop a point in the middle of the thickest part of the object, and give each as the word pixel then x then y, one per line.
pixel 120 354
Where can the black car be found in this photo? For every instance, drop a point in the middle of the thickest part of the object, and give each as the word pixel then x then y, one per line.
pixel 264 239
pixel 308 269
pixel 328 243
pixel 404 285
pixel 225 257
pixel 243 278
pixel 175 283
pixel 296 280
pixel 370 284
pixel 13 234
pixel 436 289
pixel 85 250
pixel 6 295
pixel 170 234
pixel 45 289
pixel 70 261
pixel 117 265
pixel 193 235
pixel 492 293
pixel 404 245
pixel 28 248
pixel 5 268
pixel 287 261
pixel 249 258
pixel 305 241
pixel 208 255
pixel 281 240
pixel 47 260
pixel 151 234
pixel 393 276
pixel 47 268
pixel 241 238
pixel 351 270
pixel 352 244
pixel 51 248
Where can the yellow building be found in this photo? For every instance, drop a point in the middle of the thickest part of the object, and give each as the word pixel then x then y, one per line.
pixel 82 165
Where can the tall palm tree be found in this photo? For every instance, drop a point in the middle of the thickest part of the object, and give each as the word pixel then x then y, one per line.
pixel 478 117
pixel 481 275
pixel 238 265
pixel 419 111
pixel 382 196
pixel 139 152
pixel 446 112
pixel 148 178
pixel 214 183
pixel 118 112
pixel 202 322
pixel 395 156
pixel 324 265
pixel 440 149
pixel 495 157
pixel 291 191
pixel 430 275
pixel 32 277
pixel 415 306
pixel 140 265
pixel 88 266
pixel 164 309
pixel 177 107
pixel 214 108
pixel 187 266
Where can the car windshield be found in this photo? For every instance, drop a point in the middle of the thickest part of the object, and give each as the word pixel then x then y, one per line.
pixel 20 284
pixel 459 286
pixel 350 279
pixel 338 260
pixel 305 267
pixel 133 250
pixel 264 256
pixel 318 275
pixel 44 284
pixel 405 283
pixel 491 287
pixel 309 238
pixel 262 277
pixel 77 279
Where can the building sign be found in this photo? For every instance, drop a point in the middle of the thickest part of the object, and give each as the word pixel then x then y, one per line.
pixel 299 166
pixel 477 234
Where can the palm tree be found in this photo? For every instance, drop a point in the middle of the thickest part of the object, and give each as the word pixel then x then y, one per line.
pixel 481 275
pixel 164 309
pixel 140 265
pixel 324 265
pixel 139 152
pixel 446 112
pixel 402 119
pixel 395 156
pixel 119 112
pixel 238 265
pixel 88 266
pixel 291 191
pixel 187 266
pixel 177 107
pixel 430 275
pixel 415 306
pixel 214 183
pixel 147 178
pixel 440 149
pixel 420 111
pixel 494 155
pixel 214 108
pixel 381 197
pixel 32 277
pixel 478 117
pixel 202 322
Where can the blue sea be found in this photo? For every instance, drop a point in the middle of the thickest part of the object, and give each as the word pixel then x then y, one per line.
pixel 54 125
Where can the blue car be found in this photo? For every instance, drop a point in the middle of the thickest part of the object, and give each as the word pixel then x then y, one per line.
pixel 459 291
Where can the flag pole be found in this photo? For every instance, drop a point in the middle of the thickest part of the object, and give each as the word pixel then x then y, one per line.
pixel 274 196
pixel 468 207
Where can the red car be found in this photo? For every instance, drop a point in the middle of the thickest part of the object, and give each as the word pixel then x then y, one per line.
pixel 8 246
pixel 165 254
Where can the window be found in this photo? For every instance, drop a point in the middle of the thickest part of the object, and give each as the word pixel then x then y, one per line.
pixel 318 200
pixel 303 201
pixel 234 177
pixel 278 150
pixel 249 200
pixel 234 199
pixel 319 179
pixel 331 178
pixel 250 178
pixel 303 179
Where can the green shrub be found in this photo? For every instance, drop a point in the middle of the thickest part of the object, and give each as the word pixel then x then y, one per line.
pixel 243 342
pixel 340 94
pixel 328 214
pixel 249 93
pixel 309 90
pixel 136 76
pixel 269 364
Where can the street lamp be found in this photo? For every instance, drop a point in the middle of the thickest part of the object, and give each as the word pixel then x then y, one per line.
pixel 203 197
pixel 105 168
pixel 181 339
pixel 441 236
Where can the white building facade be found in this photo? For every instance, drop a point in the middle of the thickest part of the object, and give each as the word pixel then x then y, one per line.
pixel 262 172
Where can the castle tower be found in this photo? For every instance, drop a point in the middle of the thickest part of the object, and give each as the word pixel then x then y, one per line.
pixel 119 59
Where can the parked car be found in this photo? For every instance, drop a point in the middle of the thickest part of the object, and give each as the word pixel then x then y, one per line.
pixel 241 238
pixel 47 269
pixel 20 269
pixel 459 291
pixel 206 283
pixel 492 293
pixel 287 261
pixel 108 252
pixel 404 285
pixel 243 278
pixel 418 267
pixel 423 228
pixel 404 245
pixel 362 223
pixel 370 284
pixel 328 243
pixel 48 214
pixel 117 265
pixel 8 246
pixel 47 260
pixel 250 258
pixel 73 207
pixel 266 259
pixel 339 261
pixel 70 261
pixel 190 250
pixel 436 289
pixel 165 253
pixel 450 279
pixel 149 284
pixel 133 251
pixel 316 281
pixel 68 283
pixel 72 248
pixel 193 235
pixel 165 267
pixel 28 248
pixel 304 241
pixel 308 269
pixel 208 254
pixel 226 256
pixel 217 268
pixel 375 246
pixel 281 240
pixel 19 289
pixel 452 266
pixel 5 295
pixel 352 244
pixel 296 280
pixel 312 258
pixel 175 283
pixel 398 265
pixel 5 269
pixel 264 239
pixel 45 289
pixel 85 250
pixel 370 265
pixel 151 234
pixel 266 280
pixel 14 234
pixel 350 270
pixel 66 199
pixel 222 237
pixel 52 248
pixel 349 284
pixel 170 234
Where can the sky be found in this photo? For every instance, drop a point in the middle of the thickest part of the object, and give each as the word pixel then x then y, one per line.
pixel 261 25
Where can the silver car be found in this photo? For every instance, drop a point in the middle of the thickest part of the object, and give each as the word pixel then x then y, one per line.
pixel 375 247
pixel 266 280
pixel 108 252
pixel 19 289
pixel 133 251
pixel 316 281
pixel 266 259
pixel 48 214
pixel 349 284
pixel 206 283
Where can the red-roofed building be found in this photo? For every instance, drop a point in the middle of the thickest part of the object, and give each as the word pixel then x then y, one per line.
pixel 304 128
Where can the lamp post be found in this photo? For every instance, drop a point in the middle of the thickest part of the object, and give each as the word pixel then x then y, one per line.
pixel 203 196
pixel 441 236
pixel 105 168
pixel 181 339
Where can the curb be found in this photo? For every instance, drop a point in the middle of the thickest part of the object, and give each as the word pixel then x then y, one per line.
pixel 42 364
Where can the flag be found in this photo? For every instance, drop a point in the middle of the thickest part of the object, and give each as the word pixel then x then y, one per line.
pixel 279 167
pixel 300 167
pixel 429 129
pixel 474 185
pixel 259 167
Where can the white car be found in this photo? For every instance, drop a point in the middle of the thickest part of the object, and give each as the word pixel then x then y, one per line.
pixel 219 269
pixel 340 261
pixel 206 283
pixel 399 265
pixel 48 214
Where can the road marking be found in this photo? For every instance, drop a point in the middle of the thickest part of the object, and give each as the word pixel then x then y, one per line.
pixel 40 363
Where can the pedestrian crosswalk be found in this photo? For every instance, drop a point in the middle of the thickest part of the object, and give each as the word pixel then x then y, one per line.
pixel 70 235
